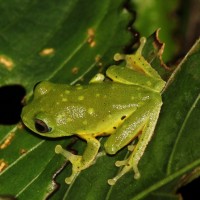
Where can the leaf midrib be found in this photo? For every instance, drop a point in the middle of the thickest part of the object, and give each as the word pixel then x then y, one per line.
pixel 166 180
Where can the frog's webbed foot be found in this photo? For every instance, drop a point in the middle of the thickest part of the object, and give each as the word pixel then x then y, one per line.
pixel 74 159
pixel 80 163
pixel 127 165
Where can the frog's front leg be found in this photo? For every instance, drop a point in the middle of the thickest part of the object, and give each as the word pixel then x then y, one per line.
pixel 141 123
pixel 80 163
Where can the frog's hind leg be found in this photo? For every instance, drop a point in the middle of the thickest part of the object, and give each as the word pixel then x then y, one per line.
pixel 141 127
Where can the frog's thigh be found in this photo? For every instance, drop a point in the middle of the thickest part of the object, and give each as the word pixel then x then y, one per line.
pixel 143 116
pixel 123 75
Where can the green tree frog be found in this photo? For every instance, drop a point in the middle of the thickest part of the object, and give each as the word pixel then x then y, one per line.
pixel 124 108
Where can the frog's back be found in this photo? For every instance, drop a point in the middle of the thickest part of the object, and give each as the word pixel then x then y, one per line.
pixel 106 104
pixel 112 93
pixel 102 94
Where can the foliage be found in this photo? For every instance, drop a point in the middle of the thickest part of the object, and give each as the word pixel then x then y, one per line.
pixel 68 42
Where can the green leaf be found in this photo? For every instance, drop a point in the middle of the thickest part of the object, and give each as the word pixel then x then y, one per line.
pixel 63 42
pixel 42 40
pixel 155 14
pixel 172 158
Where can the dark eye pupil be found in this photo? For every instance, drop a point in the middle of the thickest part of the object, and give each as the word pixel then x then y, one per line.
pixel 41 126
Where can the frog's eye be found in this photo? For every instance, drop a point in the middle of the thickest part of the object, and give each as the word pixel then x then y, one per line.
pixel 42 126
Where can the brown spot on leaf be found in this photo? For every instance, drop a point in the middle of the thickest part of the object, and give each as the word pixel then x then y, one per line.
pixel 91 36
pixel 75 70
pixel 22 151
pixel 6 62
pixel 98 60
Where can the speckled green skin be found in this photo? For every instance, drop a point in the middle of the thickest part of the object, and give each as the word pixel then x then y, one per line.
pixel 121 108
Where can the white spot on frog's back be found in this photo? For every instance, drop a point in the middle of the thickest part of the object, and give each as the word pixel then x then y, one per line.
pixel 64 99
pixel 44 87
pixel 79 87
pixel 132 98
pixel 67 91
pixel 61 119
pixel 75 112
pixel 91 111
pixel 145 98
pixel 122 107
pixel 80 98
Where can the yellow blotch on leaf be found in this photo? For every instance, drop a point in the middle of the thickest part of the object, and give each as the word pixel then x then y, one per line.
pixel 47 52
pixel 3 165
pixel 7 141
pixel 6 62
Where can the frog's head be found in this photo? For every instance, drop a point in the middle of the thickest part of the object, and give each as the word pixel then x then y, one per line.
pixel 42 116
pixel 42 123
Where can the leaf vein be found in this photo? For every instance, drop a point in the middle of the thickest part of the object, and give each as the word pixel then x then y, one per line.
pixel 179 134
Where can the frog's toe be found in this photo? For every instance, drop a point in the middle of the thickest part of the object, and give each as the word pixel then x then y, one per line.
pixel 131 147
pixel 58 149
pixel 137 175
pixel 70 179
pixel 136 171
pixel 126 168
pixel 74 159
pixel 112 181
pixel 118 57
pixel 128 164
pixel 120 163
